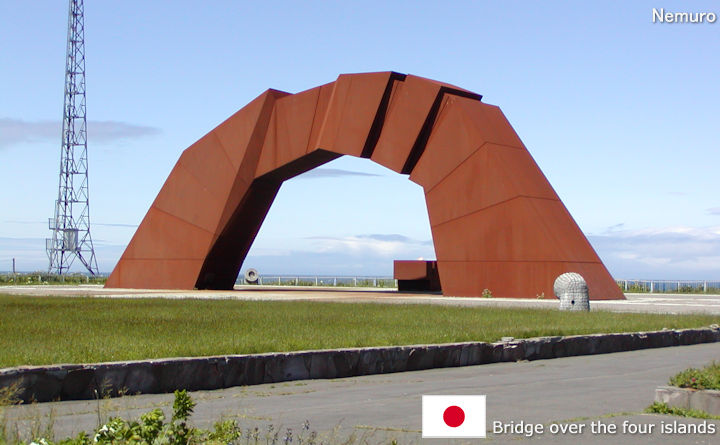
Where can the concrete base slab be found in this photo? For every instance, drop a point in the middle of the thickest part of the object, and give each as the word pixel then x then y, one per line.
pixel 644 303
pixel 705 400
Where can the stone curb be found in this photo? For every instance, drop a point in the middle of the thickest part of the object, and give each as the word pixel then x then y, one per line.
pixel 706 400
pixel 87 381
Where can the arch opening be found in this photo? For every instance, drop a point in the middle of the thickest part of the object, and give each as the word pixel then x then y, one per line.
pixel 349 217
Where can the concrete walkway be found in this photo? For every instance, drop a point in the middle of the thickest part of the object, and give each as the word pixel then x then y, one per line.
pixel 609 388
pixel 654 303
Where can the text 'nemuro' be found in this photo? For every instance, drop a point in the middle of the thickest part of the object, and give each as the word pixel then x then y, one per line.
pixel 662 16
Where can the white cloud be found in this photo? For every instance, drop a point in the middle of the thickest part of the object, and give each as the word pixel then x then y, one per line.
pixel 357 255
pixel 270 252
pixel 30 255
pixel 678 252
pixel 15 131
pixel 374 245
pixel 331 173
pixel 360 255
pixel 12 221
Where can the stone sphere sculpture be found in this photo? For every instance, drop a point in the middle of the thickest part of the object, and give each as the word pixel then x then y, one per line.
pixel 572 291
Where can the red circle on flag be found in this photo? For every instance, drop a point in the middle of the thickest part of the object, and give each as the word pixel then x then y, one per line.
pixel 454 416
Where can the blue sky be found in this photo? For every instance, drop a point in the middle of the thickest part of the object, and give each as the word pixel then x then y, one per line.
pixel 621 114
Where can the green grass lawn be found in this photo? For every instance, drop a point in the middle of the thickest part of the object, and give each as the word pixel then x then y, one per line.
pixel 44 330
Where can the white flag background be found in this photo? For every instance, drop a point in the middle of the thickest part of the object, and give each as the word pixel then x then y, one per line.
pixel 438 416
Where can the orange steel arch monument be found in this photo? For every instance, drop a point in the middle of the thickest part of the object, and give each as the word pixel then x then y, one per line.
pixel 496 221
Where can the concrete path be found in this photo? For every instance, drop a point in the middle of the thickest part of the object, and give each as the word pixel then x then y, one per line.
pixel 656 303
pixel 609 388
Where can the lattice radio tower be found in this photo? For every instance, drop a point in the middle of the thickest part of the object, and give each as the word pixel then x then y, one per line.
pixel 71 225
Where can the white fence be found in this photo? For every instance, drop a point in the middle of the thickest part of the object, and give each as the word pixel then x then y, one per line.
pixel 630 286
pixel 670 286
pixel 317 280
pixel 640 286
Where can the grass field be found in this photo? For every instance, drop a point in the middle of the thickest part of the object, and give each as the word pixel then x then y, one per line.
pixel 45 330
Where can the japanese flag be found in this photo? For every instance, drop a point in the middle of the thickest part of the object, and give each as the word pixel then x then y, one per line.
pixel 453 416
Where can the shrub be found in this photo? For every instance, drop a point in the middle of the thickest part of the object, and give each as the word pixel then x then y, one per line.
pixel 704 378
pixel 151 429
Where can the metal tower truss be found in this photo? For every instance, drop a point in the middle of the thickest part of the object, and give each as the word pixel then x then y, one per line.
pixel 71 225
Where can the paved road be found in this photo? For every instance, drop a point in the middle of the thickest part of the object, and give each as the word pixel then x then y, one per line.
pixel 609 388
pixel 658 303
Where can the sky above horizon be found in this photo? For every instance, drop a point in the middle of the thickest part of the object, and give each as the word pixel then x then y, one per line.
pixel 621 114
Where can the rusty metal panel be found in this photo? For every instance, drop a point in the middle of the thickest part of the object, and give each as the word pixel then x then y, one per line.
pixel 352 110
pixel 208 167
pixel 208 162
pixel 411 269
pixel 321 110
pixel 223 259
pixel 289 131
pixel 518 229
pixel 493 124
pixel 251 150
pixel 155 274
pixel 243 133
pixel 416 275
pixel 492 174
pixel 198 206
pixel 408 110
pixel 167 236
pixel 453 139
pixel 497 223
pixel 522 279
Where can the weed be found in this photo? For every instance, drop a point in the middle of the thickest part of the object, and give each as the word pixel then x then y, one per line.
pixel 664 408
pixel 9 395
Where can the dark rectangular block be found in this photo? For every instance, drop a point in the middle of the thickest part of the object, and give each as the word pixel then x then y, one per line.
pixel 417 276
